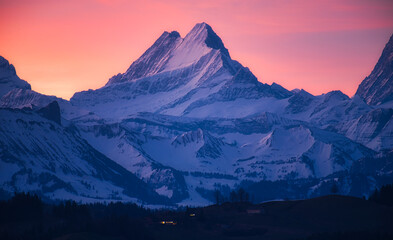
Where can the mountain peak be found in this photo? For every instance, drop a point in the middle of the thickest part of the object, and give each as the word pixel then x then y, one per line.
pixel 390 41
pixel 377 88
pixel 151 61
pixel 184 75
pixel 166 34
pixel 4 64
pixel 199 28
pixel 203 31
pixel 9 79
pixel 170 52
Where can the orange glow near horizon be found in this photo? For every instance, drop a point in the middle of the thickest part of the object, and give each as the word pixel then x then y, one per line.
pixel 61 47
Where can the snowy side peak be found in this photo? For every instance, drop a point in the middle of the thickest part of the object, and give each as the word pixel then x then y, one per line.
pixel 8 78
pixel 377 88
pixel 296 90
pixel 335 95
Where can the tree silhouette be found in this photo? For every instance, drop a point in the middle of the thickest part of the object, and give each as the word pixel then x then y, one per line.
pixel 241 193
pixel 233 196
pixel 240 196
pixel 384 195
pixel 218 196
pixel 334 188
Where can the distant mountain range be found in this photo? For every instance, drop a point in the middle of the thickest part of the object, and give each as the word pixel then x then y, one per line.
pixel 185 120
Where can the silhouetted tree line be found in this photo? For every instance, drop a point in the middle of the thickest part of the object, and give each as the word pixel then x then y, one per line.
pixel 234 196
pixel 383 195
pixel 361 235
pixel 22 207
pixel 25 216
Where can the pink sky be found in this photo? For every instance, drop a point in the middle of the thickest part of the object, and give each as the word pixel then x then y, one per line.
pixel 65 46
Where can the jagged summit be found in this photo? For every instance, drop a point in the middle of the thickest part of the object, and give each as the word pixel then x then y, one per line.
pixel 377 88
pixel 170 51
pixel 152 60
pixel 173 34
pixel 9 79
pixel 7 68
pixel 205 32
pixel 180 76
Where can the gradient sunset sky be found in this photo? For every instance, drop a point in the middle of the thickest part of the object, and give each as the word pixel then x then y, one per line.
pixel 64 46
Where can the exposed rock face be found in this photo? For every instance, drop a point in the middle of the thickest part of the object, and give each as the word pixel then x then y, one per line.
pixel 8 78
pixel 152 60
pixel 378 87
pixel 51 112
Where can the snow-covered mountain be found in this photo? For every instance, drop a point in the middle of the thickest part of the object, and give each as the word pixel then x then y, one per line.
pixel 183 157
pixel 8 78
pixel 195 77
pixel 374 129
pixel 17 93
pixel 38 154
pixel 189 76
pixel 123 145
pixel 325 110
pixel 378 87
pixel 185 119
pixel 245 147
pixel 26 98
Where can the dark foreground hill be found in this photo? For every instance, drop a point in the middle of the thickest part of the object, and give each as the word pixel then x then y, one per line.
pixel 329 217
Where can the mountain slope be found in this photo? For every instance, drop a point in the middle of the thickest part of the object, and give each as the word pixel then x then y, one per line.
pixel 373 129
pixel 38 154
pixel 377 88
pixel 25 98
pixel 183 157
pixel 177 75
pixel 123 146
pixel 219 145
pixel 8 78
